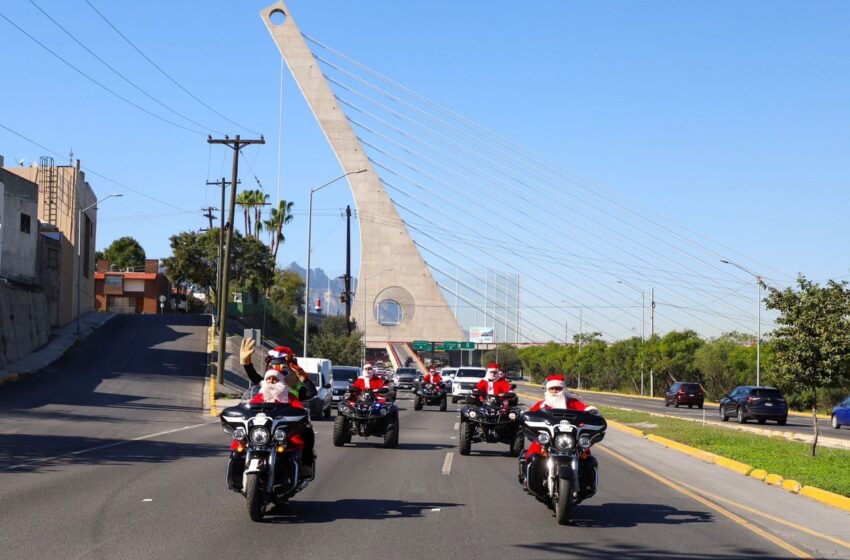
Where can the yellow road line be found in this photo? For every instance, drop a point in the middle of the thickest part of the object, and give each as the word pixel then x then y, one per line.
pixel 767 516
pixel 736 518
pixel 213 410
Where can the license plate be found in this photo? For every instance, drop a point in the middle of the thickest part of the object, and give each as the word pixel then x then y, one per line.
pixel 336 398
pixel 690 394
pixel 768 404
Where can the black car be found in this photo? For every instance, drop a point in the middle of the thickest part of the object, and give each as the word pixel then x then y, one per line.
pixel 760 403
pixel 406 378
pixel 341 378
pixel 685 394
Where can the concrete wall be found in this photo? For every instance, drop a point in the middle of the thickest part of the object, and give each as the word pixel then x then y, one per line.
pixel 74 193
pixel 24 321
pixel 18 197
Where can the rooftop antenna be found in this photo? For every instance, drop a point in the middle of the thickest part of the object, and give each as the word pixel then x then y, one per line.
pixel 71 158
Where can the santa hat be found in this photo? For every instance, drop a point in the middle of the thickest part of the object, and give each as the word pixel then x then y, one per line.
pixel 281 352
pixel 271 373
pixel 555 381
pixel 493 367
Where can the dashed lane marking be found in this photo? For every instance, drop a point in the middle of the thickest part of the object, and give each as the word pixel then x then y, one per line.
pixel 447 464
pixel 457 426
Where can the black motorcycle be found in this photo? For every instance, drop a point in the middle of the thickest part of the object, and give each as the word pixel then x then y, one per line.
pixel 491 419
pixel 564 473
pixel 365 415
pixel 265 456
pixel 431 394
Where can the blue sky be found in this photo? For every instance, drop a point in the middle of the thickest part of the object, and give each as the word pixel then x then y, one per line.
pixel 729 117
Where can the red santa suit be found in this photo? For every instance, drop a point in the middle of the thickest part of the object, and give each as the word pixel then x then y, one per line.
pixel 275 392
pixel 368 380
pixel 562 400
pixel 491 385
pixel 435 378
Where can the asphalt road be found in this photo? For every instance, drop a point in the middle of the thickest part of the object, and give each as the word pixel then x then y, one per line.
pixel 80 479
pixel 796 424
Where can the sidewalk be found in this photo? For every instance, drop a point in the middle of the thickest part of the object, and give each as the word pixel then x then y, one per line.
pixel 61 340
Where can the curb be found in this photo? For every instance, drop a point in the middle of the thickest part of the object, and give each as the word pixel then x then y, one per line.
pixel 825 497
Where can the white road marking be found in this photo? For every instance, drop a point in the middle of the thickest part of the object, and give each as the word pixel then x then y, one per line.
pixel 436 509
pixel 453 437
pixel 81 451
pixel 447 464
pixel 457 426
pixel 148 500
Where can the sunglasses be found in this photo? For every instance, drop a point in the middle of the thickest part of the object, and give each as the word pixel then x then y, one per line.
pixel 555 389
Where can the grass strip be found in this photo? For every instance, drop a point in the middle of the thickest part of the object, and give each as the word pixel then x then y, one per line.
pixel 790 459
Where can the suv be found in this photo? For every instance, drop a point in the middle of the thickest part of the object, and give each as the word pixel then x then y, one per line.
pixel 341 378
pixel 685 393
pixel 761 403
pixel 465 380
pixel 406 378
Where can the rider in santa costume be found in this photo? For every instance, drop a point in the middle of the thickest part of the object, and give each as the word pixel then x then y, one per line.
pixel 274 390
pixel 557 397
pixel 432 377
pixel 493 383
pixel 367 380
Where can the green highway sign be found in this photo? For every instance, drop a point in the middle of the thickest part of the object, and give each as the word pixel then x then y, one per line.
pixel 421 345
pixel 450 345
pixel 467 346
pixel 438 347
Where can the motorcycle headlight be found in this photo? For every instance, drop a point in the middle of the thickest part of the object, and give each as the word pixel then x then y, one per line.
pixel 584 442
pixel 473 414
pixel 279 434
pixel 564 442
pixel 512 416
pixel 239 433
pixel 259 436
pixel 543 438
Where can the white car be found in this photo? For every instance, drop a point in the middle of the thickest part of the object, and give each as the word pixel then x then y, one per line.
pixel 465 380
pixel 320 371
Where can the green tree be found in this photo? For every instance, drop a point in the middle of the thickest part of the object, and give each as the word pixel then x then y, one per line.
pixel 812 342
pixel 334 343
pixel 245 199
pixel 506 356
pixel 725 362
pixel 287 291
pixel 260 200
pixel 124 253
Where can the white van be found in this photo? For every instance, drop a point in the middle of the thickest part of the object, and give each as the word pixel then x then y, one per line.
pixel 465 380
pixel 321 372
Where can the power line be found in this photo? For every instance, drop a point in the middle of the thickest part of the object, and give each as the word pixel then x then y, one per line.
pixel 164 73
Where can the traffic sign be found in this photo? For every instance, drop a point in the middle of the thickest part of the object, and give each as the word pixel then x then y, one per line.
pixel 421 345
pixel 450 345
pixel 467 346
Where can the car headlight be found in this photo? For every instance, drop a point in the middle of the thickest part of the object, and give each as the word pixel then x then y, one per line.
pixel 259 436
pixel 584 442
pixel 279 434
pixel 239 433
pixel 543 438
pixel 473 414
pixel 512 416
pixel 564 442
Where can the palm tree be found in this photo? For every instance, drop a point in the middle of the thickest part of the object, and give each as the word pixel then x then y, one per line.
pixel 244 199
pixel 279 217
pixel 260 199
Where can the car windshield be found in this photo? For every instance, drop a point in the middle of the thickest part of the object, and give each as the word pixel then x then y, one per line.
pixel 405 371
pixel 345 374
pixel 471 372
pixel 767 393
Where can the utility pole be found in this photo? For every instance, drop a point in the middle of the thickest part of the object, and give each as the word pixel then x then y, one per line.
pixel 219 292
pixel 209 215
pixel 236 144
pixel 348 269
pixel 652 334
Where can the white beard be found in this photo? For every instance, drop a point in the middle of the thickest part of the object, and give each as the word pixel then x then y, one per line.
pixel 490 376
pixel 273 392
pixel 555 401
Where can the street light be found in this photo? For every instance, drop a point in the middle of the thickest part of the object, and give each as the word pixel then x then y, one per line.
pixel 309 248
pixel 363 283
pixel 758 316
pixel 80 252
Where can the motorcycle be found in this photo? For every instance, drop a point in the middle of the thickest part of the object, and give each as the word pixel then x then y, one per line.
pixel 365 415
pixel 265 456
pixel 491 419
pixel 564 473
pixel 431 394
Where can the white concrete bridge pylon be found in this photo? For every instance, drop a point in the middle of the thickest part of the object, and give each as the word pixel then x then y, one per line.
pixel 395 284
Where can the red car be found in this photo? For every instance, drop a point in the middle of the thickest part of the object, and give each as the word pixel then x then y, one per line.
pixel 685 393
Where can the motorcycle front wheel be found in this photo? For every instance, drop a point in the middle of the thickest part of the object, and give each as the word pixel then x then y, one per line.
pixel 340 430
pixel 254 497
pixel 563 502
pixel 465 438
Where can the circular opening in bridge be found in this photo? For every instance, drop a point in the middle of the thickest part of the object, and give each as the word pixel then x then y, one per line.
pixel 390 313
pixel 277 17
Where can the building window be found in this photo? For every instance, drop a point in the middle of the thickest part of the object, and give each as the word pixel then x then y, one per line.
pixel 52 258
pixel 25 223
pixel 389 313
